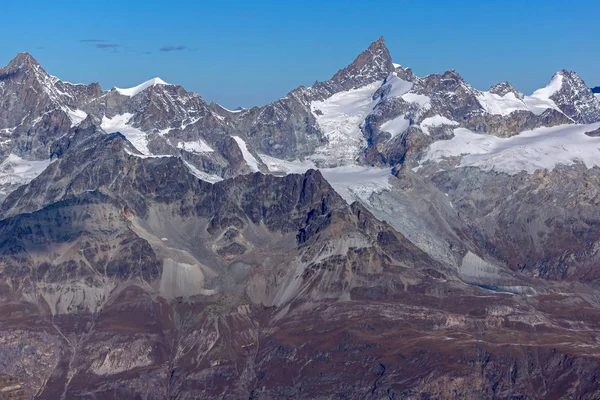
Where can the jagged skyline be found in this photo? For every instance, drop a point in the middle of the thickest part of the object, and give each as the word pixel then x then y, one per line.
pixel 227 53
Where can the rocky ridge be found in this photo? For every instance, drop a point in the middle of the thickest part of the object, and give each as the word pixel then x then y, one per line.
pixel 164 247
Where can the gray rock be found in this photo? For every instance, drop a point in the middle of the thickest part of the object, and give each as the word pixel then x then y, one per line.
pixel 576 99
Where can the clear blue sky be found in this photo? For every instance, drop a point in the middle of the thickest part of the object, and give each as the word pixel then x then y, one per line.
pixel 253 52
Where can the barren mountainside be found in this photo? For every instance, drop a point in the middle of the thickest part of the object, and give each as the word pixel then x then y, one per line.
pixel 378 235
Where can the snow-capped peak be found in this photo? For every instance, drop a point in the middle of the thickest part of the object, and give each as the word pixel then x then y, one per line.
pixel 141 87
pixel 237 110
pixel 503 99
pixel 552 88
pixel 502 89
pixel 22 60
pixel 373 64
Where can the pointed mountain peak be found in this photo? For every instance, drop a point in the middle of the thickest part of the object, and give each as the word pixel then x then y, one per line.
pixel 22 61
pixel 452 74
pixel 572 96
pixel 566 72
pixel 373 64
pixel 569 76
pixel 569 79
pixel 502 89
pixel 378 45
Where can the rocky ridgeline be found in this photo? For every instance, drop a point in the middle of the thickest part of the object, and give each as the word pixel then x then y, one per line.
pixel 148 251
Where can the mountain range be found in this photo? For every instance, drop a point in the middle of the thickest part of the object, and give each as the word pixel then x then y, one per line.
pixel 377 235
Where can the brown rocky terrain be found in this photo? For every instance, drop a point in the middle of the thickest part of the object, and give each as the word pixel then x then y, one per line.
pixel 172 261
pixel 130 277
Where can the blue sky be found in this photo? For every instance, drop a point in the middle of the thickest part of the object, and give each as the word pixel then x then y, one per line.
pixel 253 52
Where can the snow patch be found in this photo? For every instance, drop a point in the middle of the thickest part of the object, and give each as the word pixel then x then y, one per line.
pixel 276 165
pixel 398 86
pixel 355 182
pixel 340 117
pixel 537 103
pixel 141 87
pixel 529 151
pixel 501 105
pixel 395 126
pixel 420 99
pixel 436 120
pixel 201 174
pixel 16 171
pixel 352 182
pixel 146 156
pixel 119 123
pixel 76 116
pixel 198 146
pixel 551 89
pixel 239 110
pixel 248 157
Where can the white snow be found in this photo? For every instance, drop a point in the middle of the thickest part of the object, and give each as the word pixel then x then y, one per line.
pixel 553 87
pixel 537 103
pixel 15 170
pixel 193 170
pixel 76 116
pixel 352 182
pixel 436 120
pixel 248 157
pixel 119 123
pixel 141 87
pixel 231 111
pixel 198 146
pixel 339 118
pixel 420 99
pixel 395 126
pixel 202 175
pixel 398 86
pixel 501 105
pixel 396 65
pixel 541 148
pixel 597 96
pixel 287 167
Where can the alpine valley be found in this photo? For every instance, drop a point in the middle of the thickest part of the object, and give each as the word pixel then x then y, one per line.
pixel 375 236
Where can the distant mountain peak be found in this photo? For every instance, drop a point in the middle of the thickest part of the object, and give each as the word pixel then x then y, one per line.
pixel 502 89
pixel 22 60
pixel 141 87
pixel 596 89
pixel 573 97
pixel 452 74
pixel 375 63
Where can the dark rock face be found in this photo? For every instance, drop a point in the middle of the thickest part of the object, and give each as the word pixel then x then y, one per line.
pixel 516 122
pixel 502 89
pixel 34 106
pixel 374 64
pixel 89 222
pixel 544 242
pixel 288 129
pixel 576 99
pixel 124 275
pixel 594 133
pixel 283 279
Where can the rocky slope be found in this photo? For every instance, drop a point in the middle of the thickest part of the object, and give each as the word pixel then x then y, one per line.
pixel 372 112
pixel 128 276
pixel 376 235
